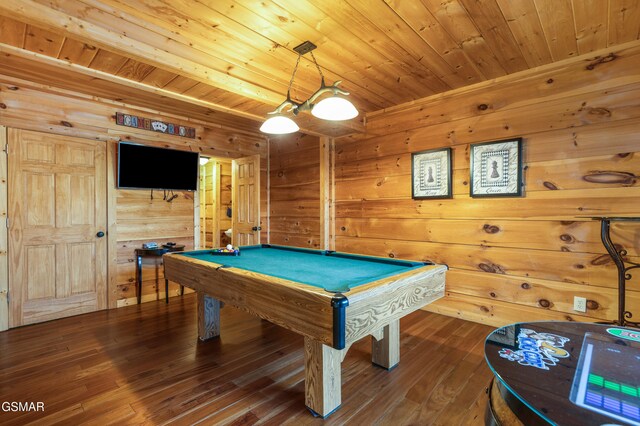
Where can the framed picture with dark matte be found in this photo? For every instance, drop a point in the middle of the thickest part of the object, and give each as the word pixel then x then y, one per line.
pixel 431 174
pixel 496 168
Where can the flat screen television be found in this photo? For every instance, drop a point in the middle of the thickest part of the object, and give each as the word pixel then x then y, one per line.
pixel 148 167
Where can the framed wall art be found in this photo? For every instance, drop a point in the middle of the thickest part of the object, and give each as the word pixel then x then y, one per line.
pixel 496 168
pixel 431 174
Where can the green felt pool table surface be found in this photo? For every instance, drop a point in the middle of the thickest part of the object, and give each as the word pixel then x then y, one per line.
pixel 329 270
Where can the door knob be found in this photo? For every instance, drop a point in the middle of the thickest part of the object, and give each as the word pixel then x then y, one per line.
pixel 100 234
pixel 256 228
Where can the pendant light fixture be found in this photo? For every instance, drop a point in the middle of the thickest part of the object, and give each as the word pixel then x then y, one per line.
pixel 334 108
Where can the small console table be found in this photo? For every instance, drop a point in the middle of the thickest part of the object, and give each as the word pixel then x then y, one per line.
pixel 154 253
pixel 618 259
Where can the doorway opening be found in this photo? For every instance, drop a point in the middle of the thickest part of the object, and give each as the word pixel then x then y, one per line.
pixel 215 202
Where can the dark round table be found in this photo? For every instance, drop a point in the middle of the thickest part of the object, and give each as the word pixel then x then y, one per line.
pixel 564 373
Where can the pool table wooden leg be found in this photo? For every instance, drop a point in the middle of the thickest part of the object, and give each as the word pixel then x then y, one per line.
pixel 323 379
pixel 385 346
pixel 208 317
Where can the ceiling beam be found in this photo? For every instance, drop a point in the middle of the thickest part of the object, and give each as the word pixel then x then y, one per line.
pixel 49 61
pixel 41 16
pixel 308 124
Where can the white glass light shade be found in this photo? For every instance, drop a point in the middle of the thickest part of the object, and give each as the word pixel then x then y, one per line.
pixel 279 125
pixel 334 108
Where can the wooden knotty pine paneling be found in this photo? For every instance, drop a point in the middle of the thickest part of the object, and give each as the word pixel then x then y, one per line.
pixel 510 259
pixel 138 218
pixel 295 190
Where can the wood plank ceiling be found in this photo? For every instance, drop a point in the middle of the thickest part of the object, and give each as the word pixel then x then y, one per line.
pixel 231 61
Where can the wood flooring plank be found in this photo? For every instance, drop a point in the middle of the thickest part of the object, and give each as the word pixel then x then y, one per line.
pixel 143 364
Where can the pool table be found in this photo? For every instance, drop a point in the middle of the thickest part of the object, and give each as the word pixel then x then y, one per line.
pixel 333 299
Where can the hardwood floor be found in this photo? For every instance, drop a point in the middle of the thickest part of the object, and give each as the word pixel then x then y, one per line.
pixel 144 365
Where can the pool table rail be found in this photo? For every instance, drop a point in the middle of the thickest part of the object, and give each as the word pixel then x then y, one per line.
pixel 375 305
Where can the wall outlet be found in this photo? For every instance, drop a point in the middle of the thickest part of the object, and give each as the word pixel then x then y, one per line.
pixel 579 304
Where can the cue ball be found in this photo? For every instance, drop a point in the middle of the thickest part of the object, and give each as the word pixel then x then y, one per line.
pixel 229 247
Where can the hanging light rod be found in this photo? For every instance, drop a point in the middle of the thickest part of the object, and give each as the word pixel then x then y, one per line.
pixel 308 105
pixel 334 108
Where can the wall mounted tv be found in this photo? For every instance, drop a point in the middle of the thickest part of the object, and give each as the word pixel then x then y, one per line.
pixel 148 167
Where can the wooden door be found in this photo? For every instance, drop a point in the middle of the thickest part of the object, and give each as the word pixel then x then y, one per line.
pixel 245 183
pixel 57 215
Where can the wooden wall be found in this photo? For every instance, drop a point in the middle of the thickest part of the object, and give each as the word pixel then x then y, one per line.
pixel 295 190
pixel 510 259
pixel 134 217
pixel 139 220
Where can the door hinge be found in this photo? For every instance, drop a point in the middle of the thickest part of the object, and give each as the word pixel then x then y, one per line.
pixel 6 148
pixel 7 222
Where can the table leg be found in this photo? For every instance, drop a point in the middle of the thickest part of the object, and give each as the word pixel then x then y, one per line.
pixel 208 317
pixel 322 377
pixel 385 347
pixel 139 277
pixel 166 290
pixel 155 264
